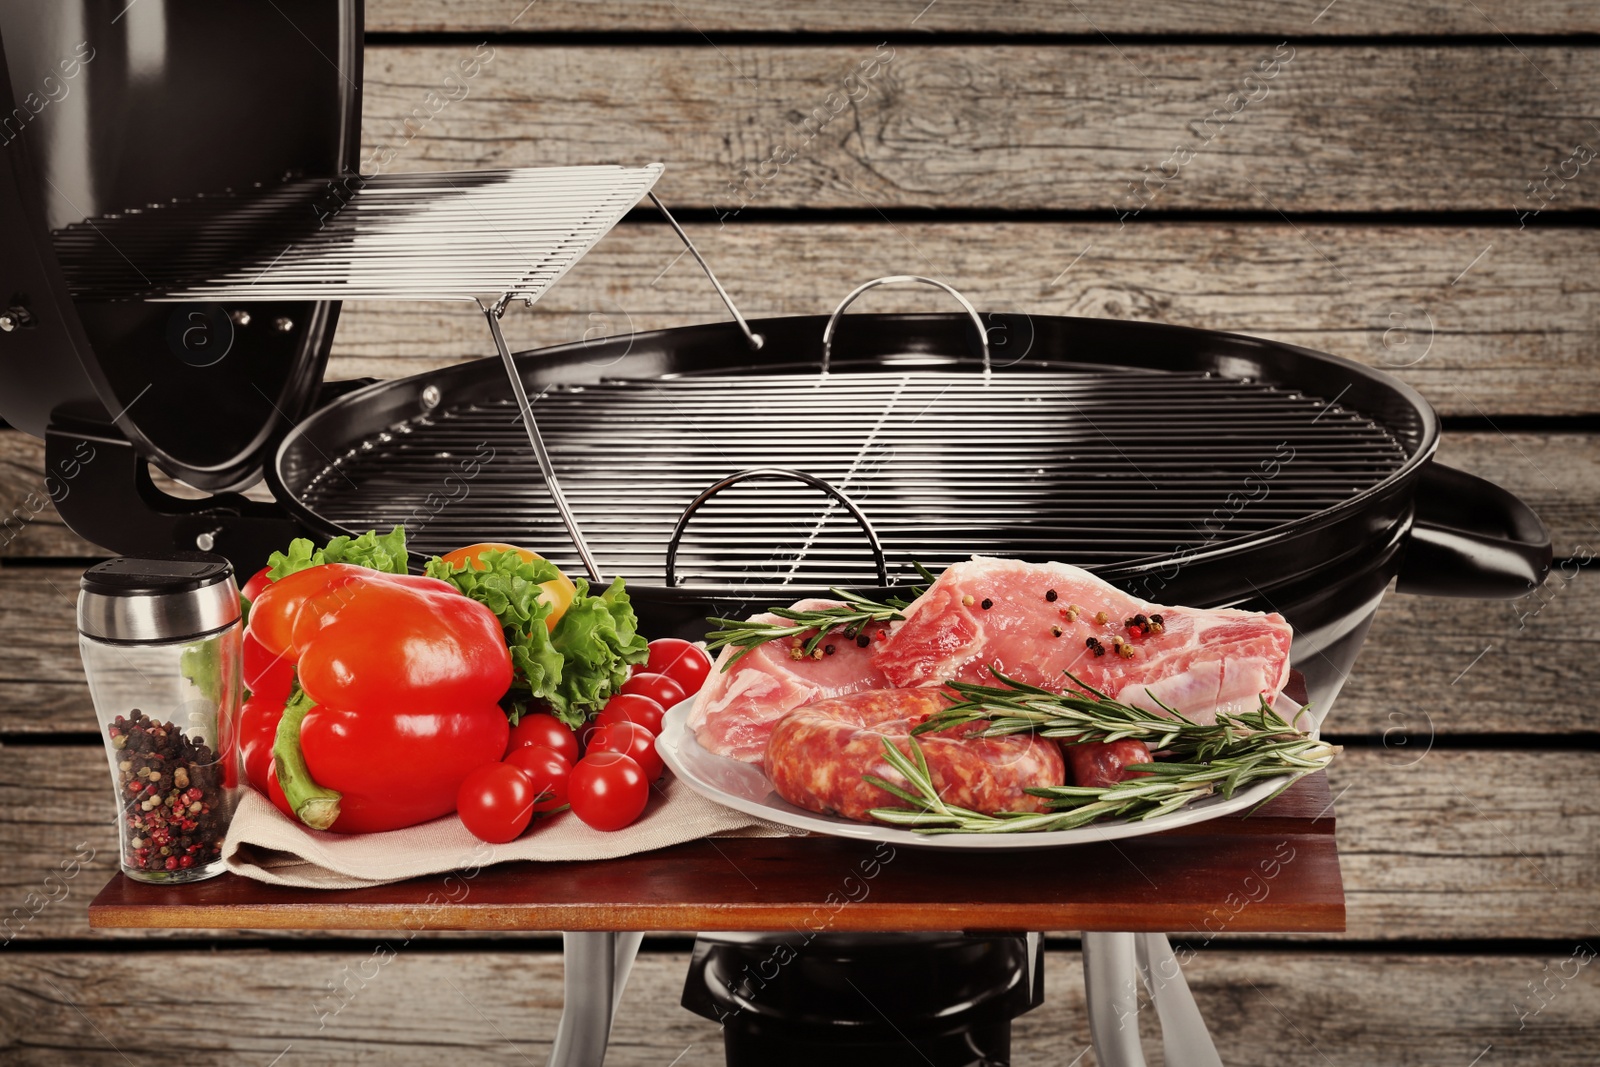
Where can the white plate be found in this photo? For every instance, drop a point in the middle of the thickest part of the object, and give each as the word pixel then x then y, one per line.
pixel 743 787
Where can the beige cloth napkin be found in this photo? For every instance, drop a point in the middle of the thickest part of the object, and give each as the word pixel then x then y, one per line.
pixel 267 846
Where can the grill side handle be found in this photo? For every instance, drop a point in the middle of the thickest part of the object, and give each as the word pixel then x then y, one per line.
pixel 1471 538
pixel 773 472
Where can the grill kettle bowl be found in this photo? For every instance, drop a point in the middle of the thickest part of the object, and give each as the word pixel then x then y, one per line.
pixel 1439 531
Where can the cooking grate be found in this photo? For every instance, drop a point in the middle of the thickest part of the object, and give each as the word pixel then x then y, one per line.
pixel 1089 467
pixel 432 236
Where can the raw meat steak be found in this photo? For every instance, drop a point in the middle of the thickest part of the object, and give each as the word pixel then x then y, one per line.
pixel 734 713
pixel 1200 661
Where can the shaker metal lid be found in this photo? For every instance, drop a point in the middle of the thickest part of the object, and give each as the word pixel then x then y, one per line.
pixel 169 598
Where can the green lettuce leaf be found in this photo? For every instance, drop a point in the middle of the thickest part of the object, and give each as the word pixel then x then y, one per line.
pixel 507 584
pixel 572 671
pixel 598 639
pixel 386 553
pixel 302 555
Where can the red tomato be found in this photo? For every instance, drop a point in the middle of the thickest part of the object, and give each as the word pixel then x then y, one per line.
pixel 496 802
pixel 546 731
pixel 258 581
pixel 608 791
pixel 685 663
pixel 631 740
pixel 258 732
pixel 658 687
pixel 586 734
pixel 547 770
pixel 631 707
pixel 266 675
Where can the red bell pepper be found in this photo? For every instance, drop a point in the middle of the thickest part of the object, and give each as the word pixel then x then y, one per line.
pixel 258 734
pixel 265 675
pixel 268 681
pixel 400 678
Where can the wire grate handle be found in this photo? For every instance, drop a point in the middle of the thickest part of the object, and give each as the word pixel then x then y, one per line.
pixel 781 473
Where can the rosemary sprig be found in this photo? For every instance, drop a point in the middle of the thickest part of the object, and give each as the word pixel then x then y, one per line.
pixel 821 623
pixel 1203 759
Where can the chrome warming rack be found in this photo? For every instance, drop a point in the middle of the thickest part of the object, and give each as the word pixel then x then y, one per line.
pixel 491 237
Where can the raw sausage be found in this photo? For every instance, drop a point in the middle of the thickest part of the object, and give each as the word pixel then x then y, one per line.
pixel 818 754
pixel 1103 763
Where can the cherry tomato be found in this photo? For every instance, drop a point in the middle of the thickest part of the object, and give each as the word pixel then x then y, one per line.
pixel 265 675
pixel 631 740
pixel 258 581
pixel 608 790
pixel 546 731
pixel 496 802
pixel 258 731
pixel 685 663
pixel 558 593
pixel 547 770
pixel 631 707
pixel 658 687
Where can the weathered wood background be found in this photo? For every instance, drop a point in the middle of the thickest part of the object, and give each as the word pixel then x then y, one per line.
pixel 1376 199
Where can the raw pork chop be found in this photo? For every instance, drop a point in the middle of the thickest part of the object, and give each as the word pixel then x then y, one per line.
pixel 1200 661
pixel 735 711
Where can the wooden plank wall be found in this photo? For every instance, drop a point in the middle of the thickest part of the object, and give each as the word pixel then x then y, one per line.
pixel 1404 189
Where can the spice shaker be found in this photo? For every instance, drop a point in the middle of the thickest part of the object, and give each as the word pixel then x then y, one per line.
pixel 161 644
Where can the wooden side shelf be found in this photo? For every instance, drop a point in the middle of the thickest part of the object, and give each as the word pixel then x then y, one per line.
pixel 1277 870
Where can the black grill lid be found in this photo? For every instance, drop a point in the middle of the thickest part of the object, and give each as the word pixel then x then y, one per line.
pixel 1154 454
pixel 167 99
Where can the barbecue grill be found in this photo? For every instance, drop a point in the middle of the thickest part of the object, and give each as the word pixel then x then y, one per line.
pixel 175 255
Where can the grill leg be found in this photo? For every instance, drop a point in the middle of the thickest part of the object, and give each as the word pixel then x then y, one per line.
pixel 1111 987
pixel 1185 1041
pixel 596 966
pixel 1113 965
